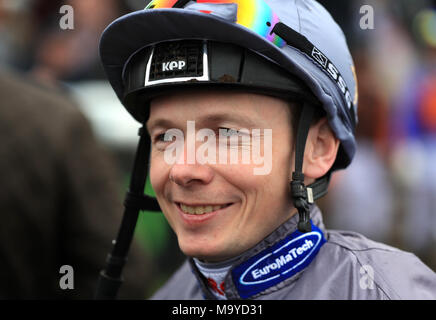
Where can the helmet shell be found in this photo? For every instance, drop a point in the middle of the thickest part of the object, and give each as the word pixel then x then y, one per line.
pixel 134 31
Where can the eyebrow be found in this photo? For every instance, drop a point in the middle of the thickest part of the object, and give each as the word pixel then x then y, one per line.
pixel 231 118
pixel 159 122
pixel 210 119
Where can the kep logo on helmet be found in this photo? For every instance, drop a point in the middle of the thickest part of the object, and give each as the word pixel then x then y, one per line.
pixel 171 65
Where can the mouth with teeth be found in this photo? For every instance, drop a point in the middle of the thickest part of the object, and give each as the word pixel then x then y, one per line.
pixel 200 210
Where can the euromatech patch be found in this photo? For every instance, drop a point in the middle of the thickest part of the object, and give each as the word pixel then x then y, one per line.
pixel 278 262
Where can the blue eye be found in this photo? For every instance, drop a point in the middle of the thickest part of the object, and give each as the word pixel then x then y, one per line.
pixel 160 137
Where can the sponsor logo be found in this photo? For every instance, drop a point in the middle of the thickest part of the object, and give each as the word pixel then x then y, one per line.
pixel 283 260
pixel 171 65
pixel 328 66
pixel 318 56
pixel 277 263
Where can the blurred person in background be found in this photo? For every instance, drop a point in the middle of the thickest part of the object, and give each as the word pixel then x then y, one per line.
pixel 71 55
pixel 32 41
pixel 14 31
pixel 392 179
pixel 59 198
pixel 367 185
pixel 413 137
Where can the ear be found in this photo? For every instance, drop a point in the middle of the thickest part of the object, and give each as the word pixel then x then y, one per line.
pixel 321 150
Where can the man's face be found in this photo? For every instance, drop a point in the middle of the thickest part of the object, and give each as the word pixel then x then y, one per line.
pixel 234 208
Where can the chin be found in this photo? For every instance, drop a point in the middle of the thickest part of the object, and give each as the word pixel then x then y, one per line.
pixel 203 251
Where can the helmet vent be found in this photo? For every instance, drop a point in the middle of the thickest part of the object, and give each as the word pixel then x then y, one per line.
pixel 176 60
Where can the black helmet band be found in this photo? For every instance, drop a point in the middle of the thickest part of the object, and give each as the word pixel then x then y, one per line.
pixel 169 66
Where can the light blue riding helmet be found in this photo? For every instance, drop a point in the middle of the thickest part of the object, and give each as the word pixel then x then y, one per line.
pixel 318 54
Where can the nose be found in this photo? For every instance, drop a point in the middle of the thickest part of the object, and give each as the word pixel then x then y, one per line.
pixel 186 175
pixel 189 171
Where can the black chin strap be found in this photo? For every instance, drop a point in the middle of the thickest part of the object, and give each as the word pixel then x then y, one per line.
pixel 302 196
pixel 110 278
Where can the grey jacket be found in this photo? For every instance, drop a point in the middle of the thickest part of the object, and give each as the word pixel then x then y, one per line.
pixel 347 266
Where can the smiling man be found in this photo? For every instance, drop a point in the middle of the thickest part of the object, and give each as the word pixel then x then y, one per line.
pixel 281 89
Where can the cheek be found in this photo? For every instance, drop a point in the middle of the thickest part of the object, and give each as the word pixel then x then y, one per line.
pixel 276 183
pixel 239 175
pixel 159 173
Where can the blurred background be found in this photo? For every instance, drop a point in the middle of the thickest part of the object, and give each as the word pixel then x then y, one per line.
pixel 389 191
